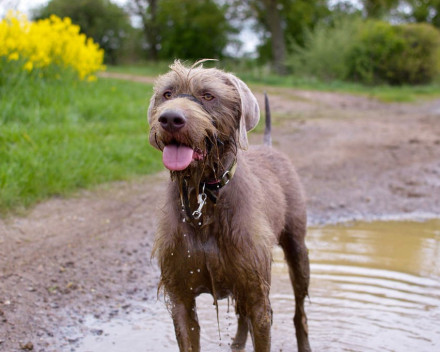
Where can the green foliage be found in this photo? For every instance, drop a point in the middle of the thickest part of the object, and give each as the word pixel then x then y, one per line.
pixel 371 52
pixel 375 49
pixel 58 135
pixel 325 50
pixel 192 29
pixel 422 11
pixel 303 15
pixel 404 54
pixel 107 23
pixel 298 17
pixel 379 8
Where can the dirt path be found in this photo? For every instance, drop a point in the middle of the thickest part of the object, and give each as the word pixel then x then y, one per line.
pixel 358 158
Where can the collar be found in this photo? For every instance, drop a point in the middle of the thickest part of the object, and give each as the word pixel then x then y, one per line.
pixel 215 185
pixel 209 189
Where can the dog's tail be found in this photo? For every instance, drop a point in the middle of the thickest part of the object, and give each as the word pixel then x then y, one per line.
pixel 267 137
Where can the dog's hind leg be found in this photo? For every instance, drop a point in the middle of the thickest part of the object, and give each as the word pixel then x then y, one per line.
pixel 186 324
pixel 296 254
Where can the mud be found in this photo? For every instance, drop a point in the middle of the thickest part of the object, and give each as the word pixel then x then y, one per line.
pixel 364 296
pixel 72 262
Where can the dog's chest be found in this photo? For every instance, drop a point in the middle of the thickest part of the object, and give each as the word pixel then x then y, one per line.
pixel 202 266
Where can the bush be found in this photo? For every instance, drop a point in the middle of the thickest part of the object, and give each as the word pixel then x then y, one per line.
pixel 404 54
pixel 50 47
pixel 370 52
pixel 325 50
pixel 420 60
pixel 192 29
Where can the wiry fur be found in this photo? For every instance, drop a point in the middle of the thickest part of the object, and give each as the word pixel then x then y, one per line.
pixel 230 253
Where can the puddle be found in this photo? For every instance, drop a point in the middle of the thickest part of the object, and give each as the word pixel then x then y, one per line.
pixel 374 287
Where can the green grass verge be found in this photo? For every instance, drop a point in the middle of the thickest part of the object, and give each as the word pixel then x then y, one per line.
pixel 263 76
pixel 142 68
pixel 57 137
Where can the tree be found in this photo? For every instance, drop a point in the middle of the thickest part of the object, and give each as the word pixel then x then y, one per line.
pixel 379 8
pixel 281 22
pixel 187 29
pixel 278 40
pixel 107 23
pixel 423 11
pixel 146 10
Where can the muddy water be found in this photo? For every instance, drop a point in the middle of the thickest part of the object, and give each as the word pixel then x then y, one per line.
pixel 374 287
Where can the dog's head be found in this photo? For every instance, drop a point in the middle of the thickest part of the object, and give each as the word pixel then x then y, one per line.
pixel 195 110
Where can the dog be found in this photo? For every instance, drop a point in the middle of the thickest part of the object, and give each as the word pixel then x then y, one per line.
pixel 226 206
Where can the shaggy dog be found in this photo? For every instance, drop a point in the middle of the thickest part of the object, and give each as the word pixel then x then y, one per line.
pixel 226 206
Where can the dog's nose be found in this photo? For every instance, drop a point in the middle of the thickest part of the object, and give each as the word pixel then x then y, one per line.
pixel 172 120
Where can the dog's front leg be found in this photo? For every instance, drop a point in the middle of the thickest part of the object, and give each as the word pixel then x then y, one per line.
pixel 260 324
pixel 186 324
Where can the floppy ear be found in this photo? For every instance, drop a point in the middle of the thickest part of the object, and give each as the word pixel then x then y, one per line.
pixel 250 112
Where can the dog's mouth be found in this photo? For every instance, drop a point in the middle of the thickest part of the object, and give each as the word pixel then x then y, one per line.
pixel 177 157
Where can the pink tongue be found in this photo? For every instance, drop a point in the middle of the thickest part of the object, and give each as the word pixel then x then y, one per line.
pixel 177 157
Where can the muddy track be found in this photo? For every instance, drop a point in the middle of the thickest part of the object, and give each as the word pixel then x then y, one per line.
pixel 90 254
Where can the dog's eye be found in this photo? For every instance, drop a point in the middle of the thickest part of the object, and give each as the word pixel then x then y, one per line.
pixel 167 94
pixel 208 96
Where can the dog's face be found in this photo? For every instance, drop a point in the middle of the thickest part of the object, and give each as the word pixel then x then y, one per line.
pixel 194 110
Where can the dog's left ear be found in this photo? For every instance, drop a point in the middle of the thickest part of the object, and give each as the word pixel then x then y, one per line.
pixel 250 112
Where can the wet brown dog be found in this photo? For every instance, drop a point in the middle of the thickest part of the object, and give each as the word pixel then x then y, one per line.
pixel 226 206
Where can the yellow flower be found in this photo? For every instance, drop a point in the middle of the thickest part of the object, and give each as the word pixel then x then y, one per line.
pixel 28 66
pixel 49 42
pixel 13 56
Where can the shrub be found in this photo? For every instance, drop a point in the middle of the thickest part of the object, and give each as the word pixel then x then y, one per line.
pixel 403 54
pixel 420 60
pixel 370 52
pixel 374 49
pixel 46 46
pixel 325 50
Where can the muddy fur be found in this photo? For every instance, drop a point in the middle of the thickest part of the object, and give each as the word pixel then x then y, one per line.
pixel 228 251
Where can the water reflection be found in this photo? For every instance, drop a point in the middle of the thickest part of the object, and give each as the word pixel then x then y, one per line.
pixel 374 287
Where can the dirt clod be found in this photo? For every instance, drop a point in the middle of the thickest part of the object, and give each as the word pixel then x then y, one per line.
pixel 29 346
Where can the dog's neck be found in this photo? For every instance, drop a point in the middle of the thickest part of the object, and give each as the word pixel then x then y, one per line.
pixel 200 186
pixel 217 162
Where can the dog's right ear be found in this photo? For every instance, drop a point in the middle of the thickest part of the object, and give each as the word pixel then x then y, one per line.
pixel 250 112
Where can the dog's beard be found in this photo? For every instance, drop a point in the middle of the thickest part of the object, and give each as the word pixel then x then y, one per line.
pixel 211 167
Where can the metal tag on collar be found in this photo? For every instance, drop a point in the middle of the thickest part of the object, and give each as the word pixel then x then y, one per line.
pixel 228 177
pixel 201 200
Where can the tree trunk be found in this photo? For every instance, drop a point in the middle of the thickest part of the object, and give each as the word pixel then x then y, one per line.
pixel 152 30
pixel 147 11
pixel 277 34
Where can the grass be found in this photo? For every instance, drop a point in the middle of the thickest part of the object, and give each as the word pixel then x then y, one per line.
pixel 56 138
pixel 142 68
pixel 262 76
